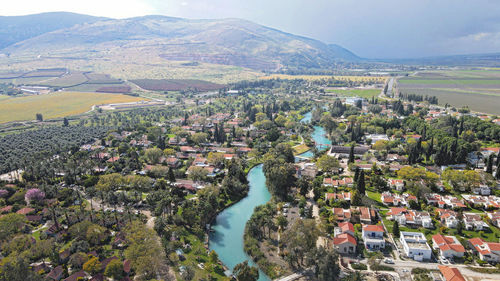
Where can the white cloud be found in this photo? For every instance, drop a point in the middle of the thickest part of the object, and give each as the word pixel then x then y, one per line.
pixel 107 8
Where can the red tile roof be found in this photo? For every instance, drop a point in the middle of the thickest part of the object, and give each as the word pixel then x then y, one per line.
pixel 451 273
pixel 344 238
pixel 373 227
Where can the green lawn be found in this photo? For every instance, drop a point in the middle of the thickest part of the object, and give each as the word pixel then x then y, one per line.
pixel 198 255
pixel 490 235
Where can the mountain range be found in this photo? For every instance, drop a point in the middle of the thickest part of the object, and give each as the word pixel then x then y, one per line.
pixel 217 41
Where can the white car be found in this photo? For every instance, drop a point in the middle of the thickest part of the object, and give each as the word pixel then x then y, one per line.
pixel 389 261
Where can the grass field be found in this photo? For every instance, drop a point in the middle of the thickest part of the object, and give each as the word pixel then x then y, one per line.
pixel 362 93
pixel 478 89
pixel 176 84
pixel 54 105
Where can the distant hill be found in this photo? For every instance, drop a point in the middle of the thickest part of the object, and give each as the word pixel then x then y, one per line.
pixel 220 41
pixel 19 28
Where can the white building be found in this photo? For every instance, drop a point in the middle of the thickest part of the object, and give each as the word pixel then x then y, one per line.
pixel 415 246
pixel 373 237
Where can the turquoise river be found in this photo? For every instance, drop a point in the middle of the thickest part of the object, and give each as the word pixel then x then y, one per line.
pixel 227 236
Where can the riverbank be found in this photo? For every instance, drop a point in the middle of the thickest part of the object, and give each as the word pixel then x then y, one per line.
pixel 228 230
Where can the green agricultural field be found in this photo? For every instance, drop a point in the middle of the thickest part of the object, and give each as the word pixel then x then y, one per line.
pixel 362 93
pixel 55 105
pixel 478 89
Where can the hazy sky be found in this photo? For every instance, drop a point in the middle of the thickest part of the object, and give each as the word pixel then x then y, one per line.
pixel 369 28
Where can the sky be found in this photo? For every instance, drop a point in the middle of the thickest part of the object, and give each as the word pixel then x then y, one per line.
pixel 369 28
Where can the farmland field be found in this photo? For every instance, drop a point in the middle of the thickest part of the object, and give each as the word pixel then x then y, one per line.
pixel 376 79
pixel 175 84
pixel 58 104
pixel 362 93
pixel 69 80
pixel 477 89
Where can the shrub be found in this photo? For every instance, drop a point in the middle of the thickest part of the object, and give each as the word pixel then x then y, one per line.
pixel 359 266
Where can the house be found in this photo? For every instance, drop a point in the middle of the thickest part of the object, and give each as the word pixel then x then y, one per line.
pixel 367 215
pixel 342 214
pixel 344 227
pixel 373 237
pixel 451 273
pixel 415 246
pixel 474 222
pixel 307 170
pixel 448 246
pixel 25 211
pixel 392 199
pixel 410 218
pixel 345 196
pixel 485 202
pixel 487 251
pixel 344 243
pixel 80 275
pixel 397 184
pixel 482 190
pixel 444 201
pixel 345 150
pixel 338 183
pixel 173 162
pixel 55 274
pixel 448 218
pixel 495 218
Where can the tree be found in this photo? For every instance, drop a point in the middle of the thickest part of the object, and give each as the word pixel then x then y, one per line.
pixel 16 268
pixel 280 177
pixel 489 164
pixel 65 122
pixel 198 173
pixel 34 195
pixel 327 268
pixel 92 266
pixel 351 155
pixel 380 145
pixel 395 229
pixel 300 240
pixel 143 251
pixel 361 183
pixel 77 260
pixel 11 224
pixel 96 234
pixel 375 260
pixel 214 258
pixel 356 199
pixel 171 176
pixel 39 117
pixel 327 163
pixel 199 138
pixel 244 272
pixel 153 155
pixel 114 269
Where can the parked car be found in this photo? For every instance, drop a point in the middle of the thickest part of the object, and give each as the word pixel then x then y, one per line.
pixel 389 261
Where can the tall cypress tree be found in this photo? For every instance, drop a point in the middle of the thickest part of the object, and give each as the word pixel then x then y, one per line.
pixel 351 155
pixel 356 174
pixel 489 164
pixel 361 183
pixel 395 229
